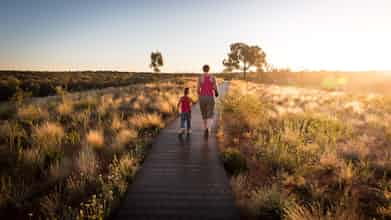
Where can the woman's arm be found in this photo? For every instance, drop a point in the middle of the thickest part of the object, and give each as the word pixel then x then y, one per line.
pixel 199 86
pixel 215 87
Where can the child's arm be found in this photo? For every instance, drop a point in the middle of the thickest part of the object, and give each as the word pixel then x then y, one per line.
pixel 179 104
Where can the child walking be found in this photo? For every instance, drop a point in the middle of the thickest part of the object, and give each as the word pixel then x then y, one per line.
pixel 184 105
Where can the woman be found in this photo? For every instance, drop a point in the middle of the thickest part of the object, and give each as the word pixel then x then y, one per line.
pixel 207 89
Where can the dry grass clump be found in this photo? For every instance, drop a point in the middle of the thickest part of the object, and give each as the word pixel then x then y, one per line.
pixel 60 169
pixel 51 205
pixel 48 134
pixel 32 157
pixel 311 212
pixel 87 162
pixel 162 105
pixel 32 112
pixel 48 137
pixel 146 121
pixel 12 133
pixel 95 139
pixel 125 136
pixel 65 108
pixel 117 123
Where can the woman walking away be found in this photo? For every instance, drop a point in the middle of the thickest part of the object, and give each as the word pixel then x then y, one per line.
pixel 207 89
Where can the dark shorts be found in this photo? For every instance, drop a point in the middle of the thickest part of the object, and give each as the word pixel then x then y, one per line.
pixel 207 106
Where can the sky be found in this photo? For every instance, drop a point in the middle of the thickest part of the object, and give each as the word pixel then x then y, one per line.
pixel 120 34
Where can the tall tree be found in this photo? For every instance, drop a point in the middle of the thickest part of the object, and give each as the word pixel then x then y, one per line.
pixel 156 61
pixel 244 57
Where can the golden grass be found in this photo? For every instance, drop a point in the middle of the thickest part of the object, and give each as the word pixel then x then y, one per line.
pixel 322 149
pixel 32 112
pixel 317 212
pixel 86 162
pixel 32 157
pixel 143 121
pixel 60 169
pixel 65 108
pixel 125 136
pixel 48 135
pixel 117 122
pixel 71 148
pixel 95 139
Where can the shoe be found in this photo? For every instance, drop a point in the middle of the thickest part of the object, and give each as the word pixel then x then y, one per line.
pixel 181 131
pixel 188 131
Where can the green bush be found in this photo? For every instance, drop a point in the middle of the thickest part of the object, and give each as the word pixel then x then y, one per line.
pixel 234 162
pixel 268 203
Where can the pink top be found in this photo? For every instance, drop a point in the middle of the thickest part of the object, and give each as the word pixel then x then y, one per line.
pixel 207 86
pixel 185 104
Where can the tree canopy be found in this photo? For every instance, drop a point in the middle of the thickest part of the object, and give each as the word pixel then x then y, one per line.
pixel 244 57
pixel 156 61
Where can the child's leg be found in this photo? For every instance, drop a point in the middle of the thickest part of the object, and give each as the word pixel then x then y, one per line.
pixel 182 122
pixel 189 121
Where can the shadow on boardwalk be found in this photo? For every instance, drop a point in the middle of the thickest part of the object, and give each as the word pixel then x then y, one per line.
pixel 181 178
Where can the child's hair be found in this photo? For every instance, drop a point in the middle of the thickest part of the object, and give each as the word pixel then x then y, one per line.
pixel 206 68
pixel 186 91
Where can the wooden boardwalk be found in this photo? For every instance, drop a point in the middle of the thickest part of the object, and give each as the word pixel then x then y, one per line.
pixel 181 178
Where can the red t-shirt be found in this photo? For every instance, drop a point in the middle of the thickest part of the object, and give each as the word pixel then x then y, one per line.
pixel 185 104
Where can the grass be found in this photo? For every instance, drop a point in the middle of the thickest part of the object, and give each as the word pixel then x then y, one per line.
pixel 95 139
pixel 73 156
pixel 310 154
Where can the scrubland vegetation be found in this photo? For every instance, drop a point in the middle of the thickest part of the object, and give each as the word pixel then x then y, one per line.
pixel 72 157
pixel 298 153
pixel 17 84
pixel 352 82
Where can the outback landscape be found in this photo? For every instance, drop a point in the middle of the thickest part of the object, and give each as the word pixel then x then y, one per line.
pixel 195 110
pixel 292 152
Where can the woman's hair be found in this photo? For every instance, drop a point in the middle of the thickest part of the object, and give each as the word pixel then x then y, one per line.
pixel 206 68
pixel 186 91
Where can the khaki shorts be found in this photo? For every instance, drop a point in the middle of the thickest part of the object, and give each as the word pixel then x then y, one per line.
pixel 207 106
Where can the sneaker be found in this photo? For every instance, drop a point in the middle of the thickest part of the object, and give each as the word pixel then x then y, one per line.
pixel 181 131
pixel 188 131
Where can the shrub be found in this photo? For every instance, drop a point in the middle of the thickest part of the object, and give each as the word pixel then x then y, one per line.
pixel 32 112
pixel 87 163
pixel 234 162
pixel 12 134
pixel 60 169
pixel 7 111
pixel 124 137
pixel 48 137
pixel 51 205
pixel 95 139
pixel 146 121
pixel 65 107
pixel 316 211
pixel 268 203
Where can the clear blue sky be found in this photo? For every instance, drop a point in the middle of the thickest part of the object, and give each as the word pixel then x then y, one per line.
pixel 119 34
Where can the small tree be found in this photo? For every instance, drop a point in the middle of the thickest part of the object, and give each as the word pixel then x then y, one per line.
pixel 156 61
pixel 244 57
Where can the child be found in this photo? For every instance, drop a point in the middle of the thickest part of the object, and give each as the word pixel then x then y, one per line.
pixel 184 105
